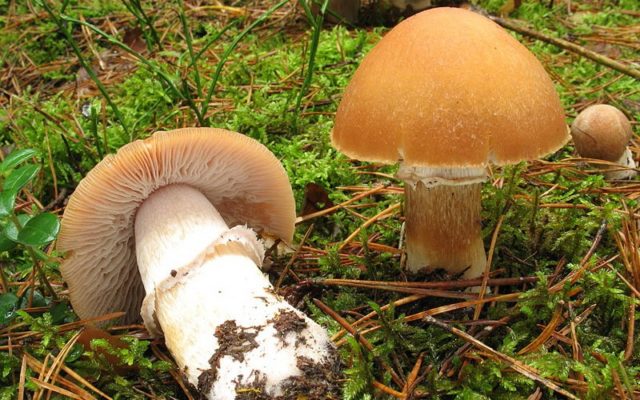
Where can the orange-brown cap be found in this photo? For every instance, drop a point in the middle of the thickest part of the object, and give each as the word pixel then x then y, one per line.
pixel 449 88
pixel 242 179
pixel 601 131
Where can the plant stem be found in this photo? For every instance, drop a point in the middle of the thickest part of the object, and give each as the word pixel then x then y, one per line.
pixel 313 50
pixel 511 362
pixel 166 78
pixel 189 39
pixel 572 47
pixel 63 27
pixel 36 262
pixel 229 50
pixel 3 280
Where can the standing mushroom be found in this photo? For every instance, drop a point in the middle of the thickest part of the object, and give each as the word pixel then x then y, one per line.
pixel 147 232
pixel 445 93
pixel 602 132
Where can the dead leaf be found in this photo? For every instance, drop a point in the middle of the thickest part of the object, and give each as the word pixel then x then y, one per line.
pixel 609 50
pixel 509 7
pixel 90 333
pixel 133 38
pixel 315 199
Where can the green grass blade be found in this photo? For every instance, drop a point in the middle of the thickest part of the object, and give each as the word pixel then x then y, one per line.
pixel 58 20
pixel 229 50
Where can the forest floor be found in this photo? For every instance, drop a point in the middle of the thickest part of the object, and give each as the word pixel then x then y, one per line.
pixel 78 80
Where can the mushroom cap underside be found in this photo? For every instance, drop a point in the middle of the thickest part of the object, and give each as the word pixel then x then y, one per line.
pixel 449 88
pixel 241 177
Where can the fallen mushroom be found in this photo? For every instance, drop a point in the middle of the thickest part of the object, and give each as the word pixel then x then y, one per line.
pixel 445 93
pixel 602 132
pixel 147 232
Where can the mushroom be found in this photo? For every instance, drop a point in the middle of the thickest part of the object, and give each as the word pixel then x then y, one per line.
pixel 147 232
pixel 445 93
pixel 602 132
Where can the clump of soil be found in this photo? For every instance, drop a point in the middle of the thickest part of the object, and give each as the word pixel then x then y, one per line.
pixel 287 321
pixel 233 341
pixel 318 381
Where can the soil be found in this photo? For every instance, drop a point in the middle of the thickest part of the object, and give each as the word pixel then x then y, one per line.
pixel 233 341
pixel 319 381
pixel 287 321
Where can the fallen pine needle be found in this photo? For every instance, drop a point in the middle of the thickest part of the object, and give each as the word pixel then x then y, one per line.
pixel 514 364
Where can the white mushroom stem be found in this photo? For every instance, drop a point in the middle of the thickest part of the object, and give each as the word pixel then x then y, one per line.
pixel 443 223
pixel 173 225
pixel 626 169
pixel 222 322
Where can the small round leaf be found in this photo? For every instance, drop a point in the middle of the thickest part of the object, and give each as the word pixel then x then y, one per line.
pixel 20 177
pixel 7 202
pixel 6 244
pixel 39 230
pixel 15 158
pixel 11 230
pixel 8 303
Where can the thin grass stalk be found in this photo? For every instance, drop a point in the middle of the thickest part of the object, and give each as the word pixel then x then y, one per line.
pixel 399 302
pixel 186 95
pixel 412 379
pixel 3 280
pixel 293 258
pixel 58 20
pixel 514 364
pixel 94 131
pixel 625 378
pixel 167 79
pixel 487 269
pixel 36 264
pixel 316 23
pixel 384 213
pixel 329 210
pixel 23 377
pixel 227 53
pixel 186 32
pixel 174 372
pixel 546 333
pixel 211 41
pixel 359 337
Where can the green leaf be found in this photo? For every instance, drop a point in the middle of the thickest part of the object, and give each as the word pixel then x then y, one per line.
pixel 38 300
pixel 6 244
pixel 11 230
pixel 7 202
pixel 76 352
pixel 8 302
pixel 39 230
pixel 20 177
pixel 15 158
pixel 59 312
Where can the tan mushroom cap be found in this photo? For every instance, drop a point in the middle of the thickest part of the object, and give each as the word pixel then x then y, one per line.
pixel 449 88
pixel 601 131
pixel 242 179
